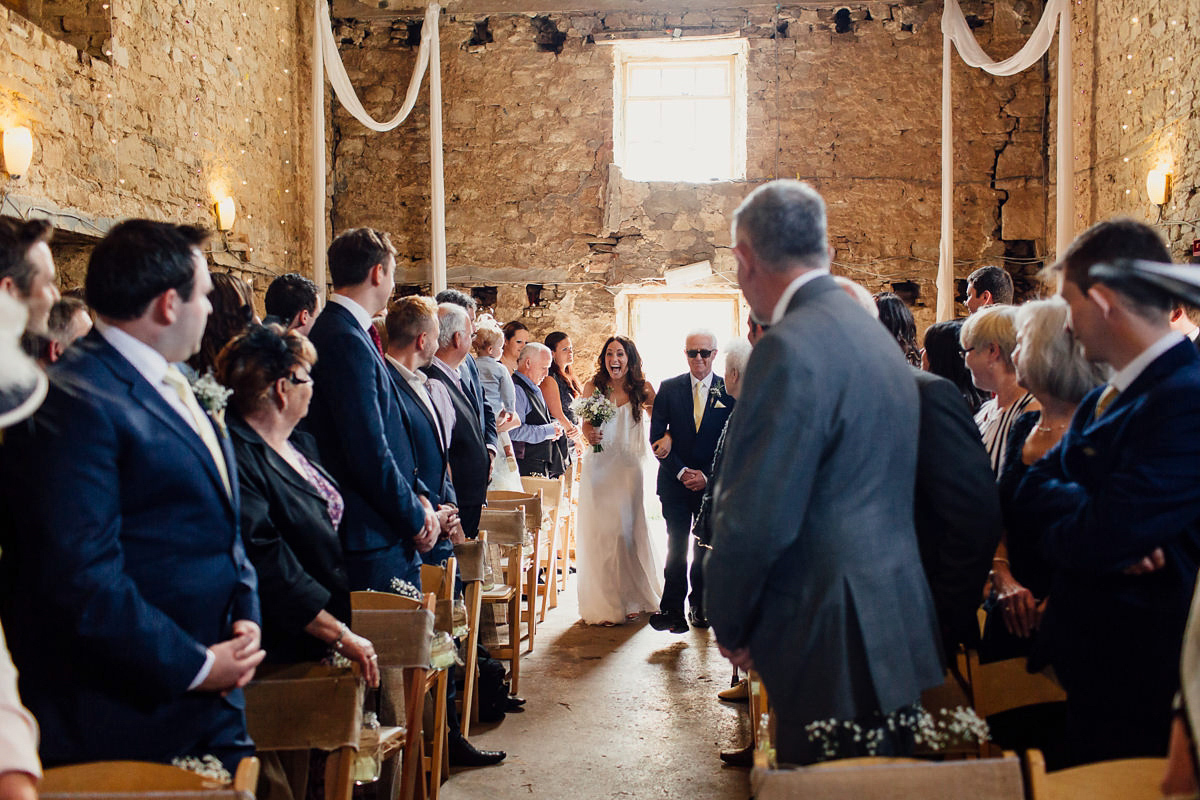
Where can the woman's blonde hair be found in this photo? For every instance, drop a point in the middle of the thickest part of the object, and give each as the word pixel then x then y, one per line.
pixel 992 325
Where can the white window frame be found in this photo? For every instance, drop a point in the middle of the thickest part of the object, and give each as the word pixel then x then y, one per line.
pixel 728 51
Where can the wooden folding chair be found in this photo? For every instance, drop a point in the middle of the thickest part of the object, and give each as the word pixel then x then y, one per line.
pixel 552 532
pixel 1124 778
pixel 142 778
pixel 470 556
pixel 532 505
pixel 894 779
pixel 440 582
pixel 401 629
pixel 506 530
pixel 309 707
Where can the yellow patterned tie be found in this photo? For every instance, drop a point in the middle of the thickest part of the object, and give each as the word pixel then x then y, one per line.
pixel 1106 399
pixel 697 404
pixel 200 422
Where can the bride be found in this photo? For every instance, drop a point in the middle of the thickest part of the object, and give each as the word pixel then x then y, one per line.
pixel 619 576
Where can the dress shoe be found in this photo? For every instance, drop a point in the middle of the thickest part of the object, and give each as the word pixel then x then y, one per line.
pixel 697 618
pixel 738 693
pixel 514 700
pixel 514 704
pixel 739 758
pixel 463 754
pixel 675 623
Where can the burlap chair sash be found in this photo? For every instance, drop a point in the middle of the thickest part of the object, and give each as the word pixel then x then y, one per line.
pixel 305 707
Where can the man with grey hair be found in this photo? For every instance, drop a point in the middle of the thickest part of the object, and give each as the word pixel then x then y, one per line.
pixel 689 414
pixel 470 462
pixel 814 578
pixel 532 439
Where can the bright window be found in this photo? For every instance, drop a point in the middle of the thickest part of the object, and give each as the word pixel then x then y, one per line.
pixel 681 110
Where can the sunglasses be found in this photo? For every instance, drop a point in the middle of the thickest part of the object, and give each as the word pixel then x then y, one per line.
pixel 701 353
pixel 292 379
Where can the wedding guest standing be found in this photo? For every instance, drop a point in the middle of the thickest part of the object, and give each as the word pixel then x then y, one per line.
pixel 814 578
pixel 560 388
pixel 943 356
pixel 501 397
pixel 895 316
pixel 359 424
pixel 293 301
pixel 689 415
pixel 233 312
pixel 1117 498
pixel 130 606
pixel 988 338
pixel 535 437
pixel 472 386
pixel 27 268
pixel 516 336
pixel 989 286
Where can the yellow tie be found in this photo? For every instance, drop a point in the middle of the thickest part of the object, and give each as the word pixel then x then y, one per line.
pixel 1106 399
pixel 203 426
pixel 697 404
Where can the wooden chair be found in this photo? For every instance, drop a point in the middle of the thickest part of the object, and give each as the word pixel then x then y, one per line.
pixel 506 530
pixel 470 556
pixel 759 705
pixel 553 545
pixel 532 505
pixel 895 779
pixel 1125 778
pixel 109 779
pixel 401 629
pixel 440 582
pixel 309 707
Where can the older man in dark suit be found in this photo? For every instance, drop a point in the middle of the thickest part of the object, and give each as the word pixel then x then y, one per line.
pixel 814 577
pixel 1121 487
pixel 689 414
pixel 359 424
pixel 130 606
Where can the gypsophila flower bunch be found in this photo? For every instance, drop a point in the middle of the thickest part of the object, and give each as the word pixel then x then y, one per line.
pixel 406 589
pixel 208 766
pixel 211 394
pixel 952 726
pixel 595 410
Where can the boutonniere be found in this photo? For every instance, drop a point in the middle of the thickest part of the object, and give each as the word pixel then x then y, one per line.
pixel 716 393
pixel 212 397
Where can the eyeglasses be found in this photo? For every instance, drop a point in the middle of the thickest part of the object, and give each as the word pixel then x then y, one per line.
pixel 292 379
pixel 701 353
pixel 966 350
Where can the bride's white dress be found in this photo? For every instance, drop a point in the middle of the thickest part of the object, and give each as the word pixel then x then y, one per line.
pixel 619 573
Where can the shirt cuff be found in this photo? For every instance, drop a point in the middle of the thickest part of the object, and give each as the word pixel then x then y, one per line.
pixel 209 660
pixel 679 475
pixel 492 449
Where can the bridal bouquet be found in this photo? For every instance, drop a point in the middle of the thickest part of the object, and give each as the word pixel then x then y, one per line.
pixel 595 410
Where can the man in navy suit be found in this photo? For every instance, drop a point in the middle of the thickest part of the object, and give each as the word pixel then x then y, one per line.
pixel 130 606
pixel 689 414
pixel 361 427
pixel 470 372
pixel 1120 496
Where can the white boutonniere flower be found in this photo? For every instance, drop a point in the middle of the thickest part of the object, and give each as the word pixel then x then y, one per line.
pixel 212 397
pixel 716 393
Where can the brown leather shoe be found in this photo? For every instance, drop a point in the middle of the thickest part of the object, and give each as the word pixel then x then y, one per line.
pixel 738 693
pixel 739 758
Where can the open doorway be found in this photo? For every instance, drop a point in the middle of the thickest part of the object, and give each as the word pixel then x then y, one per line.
pixel 658 320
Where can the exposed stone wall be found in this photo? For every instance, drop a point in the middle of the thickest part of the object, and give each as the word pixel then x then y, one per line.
pixel 199 100
pixel 528 149
pixel 1136 81
pixel 83 24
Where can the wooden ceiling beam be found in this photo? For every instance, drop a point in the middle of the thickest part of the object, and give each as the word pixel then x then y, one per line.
pixel 393 9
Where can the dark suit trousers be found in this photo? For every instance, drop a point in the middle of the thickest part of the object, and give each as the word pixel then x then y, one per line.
pixel 469 517
pixel 679 513
pixel 374 569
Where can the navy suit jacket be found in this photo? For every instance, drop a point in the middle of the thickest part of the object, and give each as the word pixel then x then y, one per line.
pixel 470 463
pixel 433 462
pixel 690 448
pixel 362 434
pixel 122 563
pixel 1113 490
pixel 479 401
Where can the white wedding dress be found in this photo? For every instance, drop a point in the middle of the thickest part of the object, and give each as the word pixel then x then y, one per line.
pixel 619 572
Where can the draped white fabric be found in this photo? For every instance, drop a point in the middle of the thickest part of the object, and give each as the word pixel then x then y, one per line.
pixel 957 32
pixel 328 61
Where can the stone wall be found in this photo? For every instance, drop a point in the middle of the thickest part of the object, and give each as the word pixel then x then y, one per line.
pixel 1136 81
pixel 84 24
pixel 198 100
pixel 528 150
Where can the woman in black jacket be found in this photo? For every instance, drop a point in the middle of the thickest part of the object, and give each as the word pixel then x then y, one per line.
pixel 290 507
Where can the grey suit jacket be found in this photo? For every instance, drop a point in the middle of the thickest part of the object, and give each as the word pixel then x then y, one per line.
pixel 815 563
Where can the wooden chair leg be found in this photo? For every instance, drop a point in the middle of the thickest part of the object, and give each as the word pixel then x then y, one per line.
pixel 514 641
pixel 339 768
pixel 470 703
pixel 531 586
pixel 440 737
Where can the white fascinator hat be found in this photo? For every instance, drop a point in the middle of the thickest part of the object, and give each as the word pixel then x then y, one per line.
pixel 22 383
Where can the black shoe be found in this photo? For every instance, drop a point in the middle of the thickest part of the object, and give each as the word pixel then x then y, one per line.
pixel 514 704
pixel 739 758
pixel 463 754
pixel 697 619
pixel 517 701
pixel 662 621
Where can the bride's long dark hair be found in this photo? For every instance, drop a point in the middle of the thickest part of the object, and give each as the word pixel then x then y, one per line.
pixel 635 382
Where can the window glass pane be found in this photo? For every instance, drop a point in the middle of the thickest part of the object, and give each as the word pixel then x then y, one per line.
pixel 677 81
pixel 644 81
pixel 642 120
pixel 712 80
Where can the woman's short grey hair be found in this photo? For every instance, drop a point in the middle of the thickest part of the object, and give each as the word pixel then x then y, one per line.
pixel 992 325
pixel 784 222
pixel 1051 362
pixel 737 353
pixel 452 319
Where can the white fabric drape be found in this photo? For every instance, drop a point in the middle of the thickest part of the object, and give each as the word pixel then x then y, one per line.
pixel 328 61
pixel 956 31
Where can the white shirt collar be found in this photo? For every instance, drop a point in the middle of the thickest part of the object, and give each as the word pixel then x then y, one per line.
pixel 1123 379
pixel 406 373
pixel 705 383
pixel 150 363
pixel 790 291
pixel 360 314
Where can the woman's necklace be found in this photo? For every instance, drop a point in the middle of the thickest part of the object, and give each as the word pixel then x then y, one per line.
pixel 1051 428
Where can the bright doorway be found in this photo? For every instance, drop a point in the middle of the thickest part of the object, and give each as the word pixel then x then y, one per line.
pixel 658 321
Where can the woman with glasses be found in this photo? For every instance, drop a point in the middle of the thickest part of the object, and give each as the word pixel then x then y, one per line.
pixel 290 506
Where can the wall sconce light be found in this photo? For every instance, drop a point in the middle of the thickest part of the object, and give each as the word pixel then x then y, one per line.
pixel 18 150
pixel 1158 185
pixel 226 213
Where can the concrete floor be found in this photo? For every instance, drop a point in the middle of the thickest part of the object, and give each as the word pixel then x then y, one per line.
pixel 624 712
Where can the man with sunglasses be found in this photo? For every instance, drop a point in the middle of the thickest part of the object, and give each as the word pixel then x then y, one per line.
pixel 689 413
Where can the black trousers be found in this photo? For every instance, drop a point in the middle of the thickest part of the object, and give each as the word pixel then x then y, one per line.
pixel 680 513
